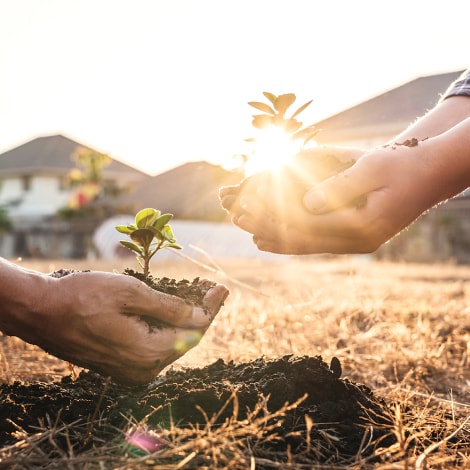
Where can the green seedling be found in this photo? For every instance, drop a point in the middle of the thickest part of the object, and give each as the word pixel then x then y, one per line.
pixel 150 233
pixel 274 115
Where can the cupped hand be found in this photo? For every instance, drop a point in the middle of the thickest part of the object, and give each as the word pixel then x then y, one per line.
pixel 97 320
pixel 282 189
pixel 394 185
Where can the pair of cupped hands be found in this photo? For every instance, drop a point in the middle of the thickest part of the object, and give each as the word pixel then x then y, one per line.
pixel 336 200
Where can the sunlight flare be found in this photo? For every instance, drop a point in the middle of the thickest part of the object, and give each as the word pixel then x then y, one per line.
pixel 273 148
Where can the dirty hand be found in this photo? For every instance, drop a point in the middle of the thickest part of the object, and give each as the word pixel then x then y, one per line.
pixel 96 320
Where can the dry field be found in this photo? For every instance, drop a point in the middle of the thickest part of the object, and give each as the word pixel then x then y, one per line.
pixel 401 329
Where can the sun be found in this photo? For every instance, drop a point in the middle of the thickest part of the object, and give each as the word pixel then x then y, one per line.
pixel 271 150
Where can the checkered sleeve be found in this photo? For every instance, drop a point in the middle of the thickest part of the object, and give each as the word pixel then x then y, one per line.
pixel 460 87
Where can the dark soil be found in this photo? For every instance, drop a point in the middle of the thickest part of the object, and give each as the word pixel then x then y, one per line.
pixel 346 416
pixel 190 291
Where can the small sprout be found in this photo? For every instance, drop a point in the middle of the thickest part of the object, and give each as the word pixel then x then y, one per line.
pixel 275 115
pixel 150 233
pixel 280 134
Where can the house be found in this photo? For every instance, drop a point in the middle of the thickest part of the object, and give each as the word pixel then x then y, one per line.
pixel 33 177
pixel 33 188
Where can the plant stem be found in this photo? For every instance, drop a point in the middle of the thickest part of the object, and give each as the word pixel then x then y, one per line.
pixel 146 265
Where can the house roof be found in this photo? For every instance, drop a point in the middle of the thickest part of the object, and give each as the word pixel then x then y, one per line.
pixel 388 113
pixel 189 191
pixel 52 154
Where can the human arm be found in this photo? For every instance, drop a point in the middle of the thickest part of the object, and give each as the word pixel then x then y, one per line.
pixel 382 175
pixel 400 183
pixel 93 319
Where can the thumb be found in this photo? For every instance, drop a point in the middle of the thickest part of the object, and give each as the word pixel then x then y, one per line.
pixel 348 188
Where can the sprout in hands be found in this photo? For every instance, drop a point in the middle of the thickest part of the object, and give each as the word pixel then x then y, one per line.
pixel 281 137
pixel 149 234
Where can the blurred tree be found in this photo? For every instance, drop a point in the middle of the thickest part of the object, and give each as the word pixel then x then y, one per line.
pixel 92 196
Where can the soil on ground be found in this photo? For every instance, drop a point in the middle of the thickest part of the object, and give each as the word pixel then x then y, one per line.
pixel 330 417
pixel 338 415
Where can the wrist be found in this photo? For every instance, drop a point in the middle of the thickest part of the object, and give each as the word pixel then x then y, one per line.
pixel 25 297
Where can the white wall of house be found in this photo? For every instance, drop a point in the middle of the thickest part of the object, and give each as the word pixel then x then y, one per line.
pixel 36 196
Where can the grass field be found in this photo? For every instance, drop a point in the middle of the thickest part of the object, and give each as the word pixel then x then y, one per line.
pixel 401 329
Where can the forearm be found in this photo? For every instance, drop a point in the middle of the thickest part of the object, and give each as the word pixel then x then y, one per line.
pixel 450 157
pixel 441 118
pixel 23 295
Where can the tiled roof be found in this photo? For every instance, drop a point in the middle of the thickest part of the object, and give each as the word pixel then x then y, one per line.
pixel 51 154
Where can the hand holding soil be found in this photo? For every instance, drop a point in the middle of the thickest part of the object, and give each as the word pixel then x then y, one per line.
pixel 363 206
pixel 103 321
pixel 271 203
pixel 282 190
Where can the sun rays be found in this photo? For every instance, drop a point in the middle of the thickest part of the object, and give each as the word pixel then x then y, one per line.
pixel 273 148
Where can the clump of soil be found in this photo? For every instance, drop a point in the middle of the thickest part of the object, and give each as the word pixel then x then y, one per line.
pixel 345 417
pixel 192 292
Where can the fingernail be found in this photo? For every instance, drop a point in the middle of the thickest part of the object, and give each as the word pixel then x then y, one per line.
pixel 201 317
pixel 315 200
pixel 244 204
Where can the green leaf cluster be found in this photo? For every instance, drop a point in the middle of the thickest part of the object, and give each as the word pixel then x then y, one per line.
pixel 274 114
pixel 150 233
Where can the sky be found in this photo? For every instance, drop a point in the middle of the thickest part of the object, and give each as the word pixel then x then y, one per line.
pixel 157 83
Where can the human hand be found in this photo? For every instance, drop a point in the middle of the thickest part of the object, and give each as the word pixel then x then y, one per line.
pixel 397 184
pixel 282 190
pixel 96 320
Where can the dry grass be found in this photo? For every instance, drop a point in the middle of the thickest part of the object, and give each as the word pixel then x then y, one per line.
pixel 403 330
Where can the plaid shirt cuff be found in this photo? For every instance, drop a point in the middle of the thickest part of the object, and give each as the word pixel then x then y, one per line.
pixel 460 87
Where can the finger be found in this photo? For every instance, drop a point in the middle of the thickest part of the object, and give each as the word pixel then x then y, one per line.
pixel 304 233
pixel 215 298
pixel 342 189
pixel 142 362
pixel 290 242
pixel 228 202
pixel 167 308
pixel 259 221
pixel 229 190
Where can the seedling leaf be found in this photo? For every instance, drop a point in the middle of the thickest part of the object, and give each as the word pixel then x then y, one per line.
pixel 301 109
pixel 283 102
pixel 142 237
pixel 174 245
pixel 262 107
pixel 150 234
pixel 162 221
pixel 261 121
pixel 271 97
pixel 131 246
pixel 146 217
pixel 167 233
pixel 127 229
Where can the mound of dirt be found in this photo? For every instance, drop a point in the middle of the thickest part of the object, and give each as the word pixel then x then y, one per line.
pixel 341 417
